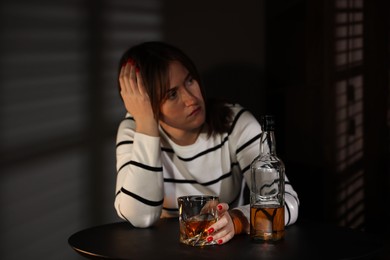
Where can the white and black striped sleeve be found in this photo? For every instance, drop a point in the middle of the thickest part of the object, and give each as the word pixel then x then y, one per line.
pixel 139 186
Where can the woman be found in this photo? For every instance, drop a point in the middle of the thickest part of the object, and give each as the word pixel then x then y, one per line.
pixel 173 143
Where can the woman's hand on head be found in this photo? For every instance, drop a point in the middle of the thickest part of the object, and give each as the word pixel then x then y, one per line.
pixel 136 99
pixel 223 230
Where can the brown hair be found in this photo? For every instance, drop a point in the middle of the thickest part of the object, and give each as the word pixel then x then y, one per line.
pixel 153 59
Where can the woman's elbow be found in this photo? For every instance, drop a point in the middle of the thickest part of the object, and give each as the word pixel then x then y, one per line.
pixel 142 217
pixel 291 211
pixel 144 221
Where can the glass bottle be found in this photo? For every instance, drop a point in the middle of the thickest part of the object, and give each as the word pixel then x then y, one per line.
pixel 267 188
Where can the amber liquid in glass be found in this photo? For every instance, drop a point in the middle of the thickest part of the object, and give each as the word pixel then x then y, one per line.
pixel 267 223
pixel 193 231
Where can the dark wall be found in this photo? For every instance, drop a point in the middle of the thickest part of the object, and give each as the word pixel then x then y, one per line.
pixel 226 42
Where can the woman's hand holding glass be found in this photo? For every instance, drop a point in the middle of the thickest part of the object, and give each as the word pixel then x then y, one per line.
pixel 223 230
pixel 136 99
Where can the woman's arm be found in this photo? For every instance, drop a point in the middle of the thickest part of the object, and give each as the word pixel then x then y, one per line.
pixel 139 186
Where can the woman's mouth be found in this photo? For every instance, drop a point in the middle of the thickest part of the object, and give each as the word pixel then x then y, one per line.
pixel 195 111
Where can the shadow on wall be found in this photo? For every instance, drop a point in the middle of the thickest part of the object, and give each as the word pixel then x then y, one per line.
pixel 240 83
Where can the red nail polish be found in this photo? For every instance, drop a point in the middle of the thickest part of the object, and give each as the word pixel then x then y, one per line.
pixel 219 241
pixel 219 207
pixel 209 239
pixel 210 230
pixel 136 69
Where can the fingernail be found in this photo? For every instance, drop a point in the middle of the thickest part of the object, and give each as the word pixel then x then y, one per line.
pixel 219 241
pixel 209 239
pixel 210 230
pixel 136 69
pixel 219 207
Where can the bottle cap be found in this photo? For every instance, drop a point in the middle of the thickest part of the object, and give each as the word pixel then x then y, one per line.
pixel 267 122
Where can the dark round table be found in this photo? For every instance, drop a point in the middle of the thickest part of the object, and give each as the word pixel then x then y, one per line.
pixel 303 240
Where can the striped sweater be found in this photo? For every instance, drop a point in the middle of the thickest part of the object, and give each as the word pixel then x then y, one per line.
pixel 153 171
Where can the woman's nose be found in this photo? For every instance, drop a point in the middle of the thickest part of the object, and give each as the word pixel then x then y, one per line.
pixel 187 97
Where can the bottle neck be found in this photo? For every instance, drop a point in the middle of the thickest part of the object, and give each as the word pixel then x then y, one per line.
pixel 267 143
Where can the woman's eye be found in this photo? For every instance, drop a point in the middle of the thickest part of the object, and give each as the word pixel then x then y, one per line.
pixel 189 81
pixel 171 94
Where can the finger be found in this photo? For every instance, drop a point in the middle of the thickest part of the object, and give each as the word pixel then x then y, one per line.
pixel 223 220
pixel 132 70
pixel 140 84
pixel 222 207
pixel 133 80
pixel 129 78
pixel 222 236
pixel 224 239
pixel 122 82
pixel 223 230
pixel 126 68
pixel 124 75
pixel 121 71
pixel 218 226
pixel 210 206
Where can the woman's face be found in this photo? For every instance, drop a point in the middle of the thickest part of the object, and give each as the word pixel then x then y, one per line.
pixel 183 109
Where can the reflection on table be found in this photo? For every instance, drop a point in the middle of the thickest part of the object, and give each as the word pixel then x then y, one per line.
pixel 303 240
